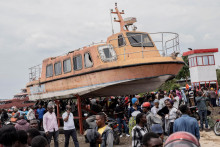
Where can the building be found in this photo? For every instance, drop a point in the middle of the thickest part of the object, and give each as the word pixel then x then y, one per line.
pixel 202 67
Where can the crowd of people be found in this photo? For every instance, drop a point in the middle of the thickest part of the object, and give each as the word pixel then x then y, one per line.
pixel 148 120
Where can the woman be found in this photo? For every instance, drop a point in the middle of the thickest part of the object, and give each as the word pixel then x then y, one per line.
pixel 170 117
pixel 139 130
pixel 132 113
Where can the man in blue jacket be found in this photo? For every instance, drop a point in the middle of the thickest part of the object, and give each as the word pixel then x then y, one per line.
pixel 186 123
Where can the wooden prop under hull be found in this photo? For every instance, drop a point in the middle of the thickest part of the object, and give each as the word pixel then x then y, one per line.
pixel 115 81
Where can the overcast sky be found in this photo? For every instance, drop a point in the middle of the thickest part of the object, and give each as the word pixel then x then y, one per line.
pixel 32 30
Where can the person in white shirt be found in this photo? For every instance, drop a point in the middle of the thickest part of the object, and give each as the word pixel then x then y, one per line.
pixel 31 114
pixel 170 117
pixel 155 108
pixel 176 100
pixel 69 127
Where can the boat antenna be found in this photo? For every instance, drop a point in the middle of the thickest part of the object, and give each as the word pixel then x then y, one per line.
pixel 111 20
pixel 121 21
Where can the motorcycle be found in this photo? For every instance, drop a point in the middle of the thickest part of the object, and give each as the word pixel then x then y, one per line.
pixel 113 124
pixel 217 127
pixel 194 112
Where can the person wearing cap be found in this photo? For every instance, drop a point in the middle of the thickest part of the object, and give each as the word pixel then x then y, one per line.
pixel 186 123
pixel 151 118
pixel 155 108
pixel 185 139
pixel 132 113
pixel 157 128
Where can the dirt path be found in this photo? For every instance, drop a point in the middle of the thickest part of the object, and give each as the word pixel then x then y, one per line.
pixel 208 139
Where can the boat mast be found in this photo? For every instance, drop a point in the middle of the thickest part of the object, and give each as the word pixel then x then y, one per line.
pixel 121 21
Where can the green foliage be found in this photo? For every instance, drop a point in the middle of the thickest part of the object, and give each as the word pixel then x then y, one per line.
pixel 169 85
pixel 218 75
pixel 184 72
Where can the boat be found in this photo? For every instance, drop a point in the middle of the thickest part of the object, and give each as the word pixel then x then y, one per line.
pixel 129 62
pixel 20 100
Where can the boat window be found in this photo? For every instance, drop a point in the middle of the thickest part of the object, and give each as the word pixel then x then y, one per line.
pixel 211 60
pixel 199 60
pixel 139 40
pixel 88 60
pixel 49 71
pixel 77 62
pixel 57 68
pixel 67 66
pixel 121 40
pixel 107 53
pixel 205 60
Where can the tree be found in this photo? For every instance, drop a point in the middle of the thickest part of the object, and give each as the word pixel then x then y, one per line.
pixel 218 75
pixel 184 72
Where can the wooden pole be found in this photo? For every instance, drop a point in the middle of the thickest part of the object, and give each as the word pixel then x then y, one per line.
pixel 58 112
pixel 80 114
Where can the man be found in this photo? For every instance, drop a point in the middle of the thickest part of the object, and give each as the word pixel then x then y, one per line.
pixel 15 115
pixel 186 123
pixel 39 141
pixel 201 105
pixel 152 140
pixel 32 133
pixel 182 139
pixel 139 130
pixel 34 125
pixel 175 99
pixel 157 128
pixel 40 112
pixel 151 118
pixel 104 130
pixel 155 108
pixel 22 124
pixel 8 136
pixel 69 127
pixel 213 97
pixel 4 116
pixel 22 139
pixel 50 125
pixel 31 114
pixel 120 111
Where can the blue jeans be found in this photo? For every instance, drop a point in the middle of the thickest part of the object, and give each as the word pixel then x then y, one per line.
pixel 121 121
pixel 203 116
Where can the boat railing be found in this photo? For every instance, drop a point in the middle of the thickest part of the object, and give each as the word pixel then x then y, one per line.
pixel 35 73
pixel 167 43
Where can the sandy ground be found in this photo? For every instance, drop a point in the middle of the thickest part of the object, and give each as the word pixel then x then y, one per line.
pixel 208 139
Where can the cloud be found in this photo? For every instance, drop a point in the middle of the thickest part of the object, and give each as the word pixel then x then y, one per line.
pixel 34 30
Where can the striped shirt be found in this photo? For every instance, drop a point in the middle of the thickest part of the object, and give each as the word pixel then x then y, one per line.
pixel 137 135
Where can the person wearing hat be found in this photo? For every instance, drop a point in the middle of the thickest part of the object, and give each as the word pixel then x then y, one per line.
pixel 151 118
pixel 181 138
pixel 132 113
pixel 157 128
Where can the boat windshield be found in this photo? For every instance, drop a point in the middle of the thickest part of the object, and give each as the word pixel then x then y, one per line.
pixel 139 40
